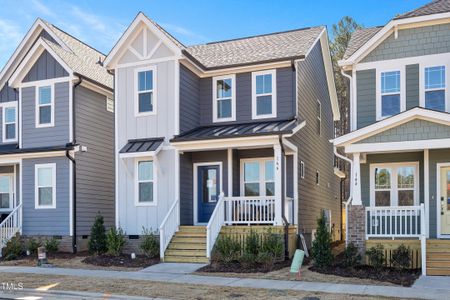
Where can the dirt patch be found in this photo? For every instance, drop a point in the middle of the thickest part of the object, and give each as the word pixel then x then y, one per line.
pixel 395 276
pixel 236 267
pixel 121 261
pixel 165 290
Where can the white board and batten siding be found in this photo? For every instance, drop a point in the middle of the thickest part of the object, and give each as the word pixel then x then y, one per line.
pixel 132 218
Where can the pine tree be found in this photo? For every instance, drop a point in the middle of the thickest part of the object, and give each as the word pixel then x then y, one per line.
pixel 97 241
pixel 321 248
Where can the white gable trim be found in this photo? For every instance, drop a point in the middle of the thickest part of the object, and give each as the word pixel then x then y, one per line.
pixel 415 113
pixel 114 55
pixel 31 35
pixel 388 29
pixel 28 62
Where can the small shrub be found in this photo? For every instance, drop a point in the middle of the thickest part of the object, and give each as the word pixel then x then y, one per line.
pixel 266 260
pixel 321 247
pixel 248 260
pixel 51 245
pixel 226 250
pixel 150 243
pixel 352 257
pixel 33 245
pixel 252 244
pixel 115 241
pixel 273 245
pixel 97 241
pixel 401 257
pixel 13 249
pixel 376 256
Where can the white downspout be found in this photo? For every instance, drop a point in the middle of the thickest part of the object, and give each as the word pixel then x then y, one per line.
pixel 352 107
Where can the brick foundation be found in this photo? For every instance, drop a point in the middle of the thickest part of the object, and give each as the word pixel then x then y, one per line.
pixel 357 227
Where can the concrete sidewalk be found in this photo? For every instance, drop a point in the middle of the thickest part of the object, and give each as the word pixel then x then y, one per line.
pixel 417 292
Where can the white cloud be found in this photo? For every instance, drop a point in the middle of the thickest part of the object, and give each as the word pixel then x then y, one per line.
pixel 191 36
pixel 41 8
pixel 10 37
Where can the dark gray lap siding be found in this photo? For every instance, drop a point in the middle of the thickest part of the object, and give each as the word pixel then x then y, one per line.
pixel 53 221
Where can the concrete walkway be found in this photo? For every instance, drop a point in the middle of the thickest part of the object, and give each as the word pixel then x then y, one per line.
pixel 417 292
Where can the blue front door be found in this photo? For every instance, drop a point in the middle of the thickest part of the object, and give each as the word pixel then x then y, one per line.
pixel 208 190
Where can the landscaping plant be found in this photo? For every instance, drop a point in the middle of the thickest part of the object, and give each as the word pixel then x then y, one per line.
pixel 273 244
pixel 51 245
pixel 115 241
pixel 376 256
pixel 321 247
pixel 13 249
pixel 352 258
pixel 401 257
pixel 226 250
pixel 33 245
pixel 97 241
pixel 150 243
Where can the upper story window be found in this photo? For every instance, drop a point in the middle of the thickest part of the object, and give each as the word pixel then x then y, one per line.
pixel 9 118
pixel 319 117
pixel 390 93
pixel 146 91
pixel 224 98
pixel 45 106
pixel 145 183
pixel 264 103
pixel 45 185
pixel 435 88
pixel 394 184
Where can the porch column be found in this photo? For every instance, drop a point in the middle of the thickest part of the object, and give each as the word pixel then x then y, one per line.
pixel 278 184
pixel 356 180
pixel 230 172
pixel 426 192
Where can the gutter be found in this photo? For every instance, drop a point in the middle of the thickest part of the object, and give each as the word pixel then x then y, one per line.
pixel 74 173
pixel 283 200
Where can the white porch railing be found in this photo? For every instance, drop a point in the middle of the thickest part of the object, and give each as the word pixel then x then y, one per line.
pixel 391 222
pixel 10 226
pixel 250 210
pixel 215 224
pixel 169 226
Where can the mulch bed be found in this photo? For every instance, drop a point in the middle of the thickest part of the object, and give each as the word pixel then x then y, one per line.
pixel 121 261
pixel 236 267
pixel 59 255
pixel 395 276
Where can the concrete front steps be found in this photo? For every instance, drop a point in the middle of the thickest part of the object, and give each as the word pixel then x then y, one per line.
pixel 438 257
pixel 188 245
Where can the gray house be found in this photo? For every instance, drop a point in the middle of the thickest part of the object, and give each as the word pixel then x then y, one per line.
pixel 56 149
pixel 226 133
pixel 400 139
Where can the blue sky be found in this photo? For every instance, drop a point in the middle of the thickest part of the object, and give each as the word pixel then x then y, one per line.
pixel 100 23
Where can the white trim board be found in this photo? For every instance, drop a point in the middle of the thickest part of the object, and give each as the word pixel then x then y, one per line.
pixel 195 187
pixel 398 146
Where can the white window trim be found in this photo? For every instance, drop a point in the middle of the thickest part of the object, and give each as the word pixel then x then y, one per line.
pixel 273 94
pixel 52 105
pixel 400 69
pixel 233 98
pixel 319 117
pixel 4 107
pixel 422 81
pixel 262 174
pixel 36 187
pixel 394 184
pixel 154 91
pixel 136 182
pixel 302 169
pixel 12 200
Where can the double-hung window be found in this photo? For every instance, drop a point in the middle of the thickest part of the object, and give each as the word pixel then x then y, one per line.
pixel 390 93
pixel 45 186
pixel 224 98
pixel 394 184
pixel 258 177
pixel 9 122
pixel 435 88
pixel 145 183
pixel 264 88
pixel 146 94
pixel 45 106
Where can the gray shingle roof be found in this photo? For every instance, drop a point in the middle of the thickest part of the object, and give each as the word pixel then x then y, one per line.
pixel 434 7
pixel 269 47
pixel 81 58
pixel 358 39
